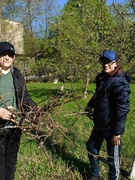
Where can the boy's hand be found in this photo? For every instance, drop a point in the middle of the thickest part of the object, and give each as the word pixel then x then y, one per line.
pixel 5 114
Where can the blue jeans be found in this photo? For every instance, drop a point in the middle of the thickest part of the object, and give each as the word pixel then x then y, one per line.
pixel 93 146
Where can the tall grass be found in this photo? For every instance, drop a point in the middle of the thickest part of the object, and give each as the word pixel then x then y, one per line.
pixel 67 148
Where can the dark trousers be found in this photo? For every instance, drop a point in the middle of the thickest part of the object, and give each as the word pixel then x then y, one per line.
pixel 93 146
pixel 9 146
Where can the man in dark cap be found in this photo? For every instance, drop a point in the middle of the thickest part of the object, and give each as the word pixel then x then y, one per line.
pixel 110 105
pixel 13 96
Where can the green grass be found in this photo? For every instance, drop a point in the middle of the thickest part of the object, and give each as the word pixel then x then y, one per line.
pixel 66 146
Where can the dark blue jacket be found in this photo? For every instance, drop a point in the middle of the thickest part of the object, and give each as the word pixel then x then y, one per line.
pixel 111 101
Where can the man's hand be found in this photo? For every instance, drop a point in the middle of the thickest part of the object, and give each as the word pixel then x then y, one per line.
pixel 116 140
pixel 5 114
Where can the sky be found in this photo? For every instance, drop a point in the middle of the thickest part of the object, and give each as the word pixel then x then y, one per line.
pixel 62 2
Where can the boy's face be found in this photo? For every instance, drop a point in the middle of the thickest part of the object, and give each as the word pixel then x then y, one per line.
pixel 6 60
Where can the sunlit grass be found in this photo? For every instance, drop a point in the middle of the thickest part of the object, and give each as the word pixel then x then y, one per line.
pixel 68 151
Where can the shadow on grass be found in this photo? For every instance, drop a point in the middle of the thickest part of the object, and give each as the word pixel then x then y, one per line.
pixel 124 173
pixel 47 94
pixel 72 162
pixel 38 93
pixel 77 164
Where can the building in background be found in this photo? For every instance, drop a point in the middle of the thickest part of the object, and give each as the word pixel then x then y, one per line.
pixel 12 31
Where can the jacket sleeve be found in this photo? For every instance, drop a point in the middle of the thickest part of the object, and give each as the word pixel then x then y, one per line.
pixel 91 102
pixel 23 96
pixel 121 105
pixel 89 107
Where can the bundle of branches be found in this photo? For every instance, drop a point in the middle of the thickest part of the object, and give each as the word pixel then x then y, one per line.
pixel 40 123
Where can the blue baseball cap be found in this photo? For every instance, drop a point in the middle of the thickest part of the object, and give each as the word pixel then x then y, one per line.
pixel 110 55
pixel 6 46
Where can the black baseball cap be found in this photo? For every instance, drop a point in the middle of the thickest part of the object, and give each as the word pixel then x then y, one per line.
pixel 6 46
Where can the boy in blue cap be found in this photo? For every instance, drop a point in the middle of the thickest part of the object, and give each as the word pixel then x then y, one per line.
pixel 110 105
pixel 13 96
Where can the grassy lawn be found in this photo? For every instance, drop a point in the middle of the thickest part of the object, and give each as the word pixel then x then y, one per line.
pixel 65 156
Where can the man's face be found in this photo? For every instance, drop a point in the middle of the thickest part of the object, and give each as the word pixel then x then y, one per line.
pixel 6 60
pixel 108 66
